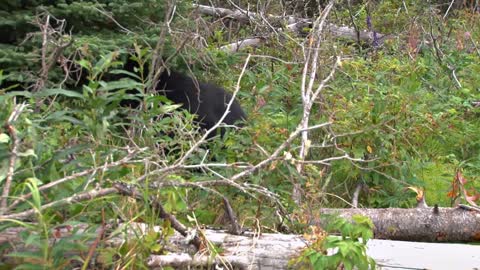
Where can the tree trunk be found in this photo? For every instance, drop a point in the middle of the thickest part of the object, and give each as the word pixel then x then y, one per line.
pixel 420 224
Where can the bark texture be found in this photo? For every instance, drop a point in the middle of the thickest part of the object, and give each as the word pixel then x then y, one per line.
pixel 420 224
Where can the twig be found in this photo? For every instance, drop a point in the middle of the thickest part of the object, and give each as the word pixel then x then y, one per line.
pixel 308 96
pixel 235 229
pixel 14 153
pixel 177 225
pixel 326 161
pixel 435 44
pixel 92 194
pixel 105 167
pixel 110 16
pixel 355 26
pixel 469 207
pixel 308 99
pixel 356 194
pixel 474 44
pixel 239 165
pixel 94 245
pixel 457 82
pixel 156 67
pixel 275 154
pixel 448 9
pixel 53 36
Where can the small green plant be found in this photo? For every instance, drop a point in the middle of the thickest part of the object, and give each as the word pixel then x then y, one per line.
pixel 42 249
pixel 346 251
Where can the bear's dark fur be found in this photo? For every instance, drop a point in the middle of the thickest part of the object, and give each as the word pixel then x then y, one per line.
pixel 208 101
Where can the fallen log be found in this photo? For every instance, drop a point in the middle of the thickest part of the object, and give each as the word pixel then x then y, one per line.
pixel 258 250
pixel 292 23
pixel 248 251
pixel 430 224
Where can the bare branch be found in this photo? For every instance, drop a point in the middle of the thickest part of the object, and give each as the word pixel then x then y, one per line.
pixel 50 54
pixel 156 67
pixel 85 196
pixel 176 224
pixel 356 194
pixel 54 183
pixel 9 125
pixel 239 45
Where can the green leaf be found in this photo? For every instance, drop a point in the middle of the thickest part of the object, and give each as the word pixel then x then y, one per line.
pixel 348 265
pixel 170 108
pixel 34 180
pixel 344 248
pixel 103 64
pixel 36 198
pixel 59 91
pixel 26 94
pixel 124 72
pixel 27 255
pixel 63 116
pixel 121 84
pixel 85 64
pixel 315 257
pixel 28 153
pixel 33 239
pixel 4 138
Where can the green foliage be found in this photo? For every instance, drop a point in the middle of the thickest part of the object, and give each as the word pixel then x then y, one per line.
pixel 76 131
pixel 408 115
pixel 97 28
pixel 43 250
pixel 347 251
pixel 406 107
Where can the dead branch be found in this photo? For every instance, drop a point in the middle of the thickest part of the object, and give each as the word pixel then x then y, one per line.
pixel 54 42
pixel 157 65
pixel 239 45
pixel 177 225
pixel 292 23
pixel 308 95
pixel 91 171
pixel 356 194
pixel 9 125
pixel 85 196
pixel 232 217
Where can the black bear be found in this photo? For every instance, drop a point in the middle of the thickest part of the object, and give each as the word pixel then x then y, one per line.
pixel 207 101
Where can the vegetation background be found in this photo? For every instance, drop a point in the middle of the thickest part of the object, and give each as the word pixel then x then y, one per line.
pixel 404 112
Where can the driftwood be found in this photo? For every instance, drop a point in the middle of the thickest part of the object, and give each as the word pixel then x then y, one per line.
pixel 429 224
